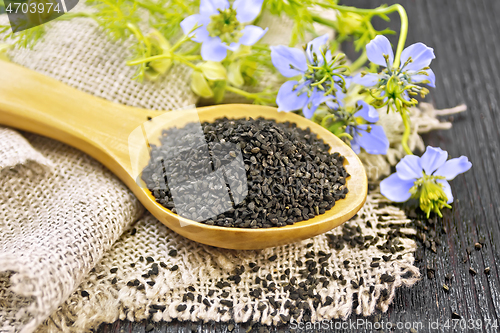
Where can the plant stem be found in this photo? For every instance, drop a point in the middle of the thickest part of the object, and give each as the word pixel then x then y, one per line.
pixel 248 95
pixel 184 61
pixel 376 11
pixel 154 8
pixel 161 56
pixel 406 133
pixel 321 20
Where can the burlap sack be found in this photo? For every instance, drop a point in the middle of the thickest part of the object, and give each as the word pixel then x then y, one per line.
pixel 66 263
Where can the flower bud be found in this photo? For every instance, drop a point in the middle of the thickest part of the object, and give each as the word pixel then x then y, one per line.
pixel 200 86
pixel 349 23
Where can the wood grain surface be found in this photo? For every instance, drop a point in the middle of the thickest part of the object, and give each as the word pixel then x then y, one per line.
pixel 465 37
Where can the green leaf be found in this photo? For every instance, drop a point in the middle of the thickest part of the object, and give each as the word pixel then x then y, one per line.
pixel 200 86
pixel 219 89
pixel 3 51
pixel 160 46
pixel 213 70
pixel 234 75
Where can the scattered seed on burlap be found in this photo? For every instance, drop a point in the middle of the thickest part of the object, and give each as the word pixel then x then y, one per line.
pixel 291 177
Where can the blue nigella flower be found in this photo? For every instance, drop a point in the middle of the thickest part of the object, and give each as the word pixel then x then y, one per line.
pixel 221 26
pixel 320 77
pixel 398 82
pixel 370 137
pixel 425 178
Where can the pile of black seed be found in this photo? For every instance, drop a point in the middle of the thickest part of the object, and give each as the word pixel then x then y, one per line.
pixel 289 172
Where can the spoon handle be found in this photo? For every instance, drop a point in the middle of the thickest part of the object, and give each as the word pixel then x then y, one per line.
pixel 36 103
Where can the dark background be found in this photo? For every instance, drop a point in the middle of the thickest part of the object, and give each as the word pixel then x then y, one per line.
pixel 464 35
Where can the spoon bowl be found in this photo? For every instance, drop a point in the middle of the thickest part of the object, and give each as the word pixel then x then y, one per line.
pixel 36 103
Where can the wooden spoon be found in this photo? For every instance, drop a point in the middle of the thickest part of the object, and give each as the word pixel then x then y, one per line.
pixel 36 103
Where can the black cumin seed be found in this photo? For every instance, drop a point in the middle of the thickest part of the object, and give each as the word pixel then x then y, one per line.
pixel 374 264
pixel 172 253
pixel 289 171
pixel 158 307
pixel 114 281
pixel 162 264
pixel 84 293
pixel 207 302
pixel 174 268
pixel 285 318
pixel 141 258
pixel 224 302
pixel 273 257
pixel 132 265
pixel 149 259
pixel 191 288
pixel 113 270
pixel 151 283
pixel 133 231
pixel 181 307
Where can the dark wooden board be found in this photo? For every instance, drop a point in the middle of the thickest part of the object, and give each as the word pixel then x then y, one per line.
pixel 464 35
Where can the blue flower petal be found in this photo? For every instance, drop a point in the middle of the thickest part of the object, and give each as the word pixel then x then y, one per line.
pixel 374 142
pixel 395 188
pixel 453 167
pixel 446 189
pixel 367 112
pixel 367 80
pixel 432 159
pixel 317 97
pixel 283 56
pixel 354 144
pixel 335 102
pixel 309 109
pixel 333 105
pixel 376 49
pixel 409 168
pixel 315 46
pixel 232 47
pixel 287 98
pixel 251 34
pixel 420 54
pixel 200 34
pixel 431 77
pixel 213 49
pixel 247 10
pixel 348 81
pixel 210 7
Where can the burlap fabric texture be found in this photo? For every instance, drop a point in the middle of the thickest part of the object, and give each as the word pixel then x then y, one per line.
pixel 77 249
